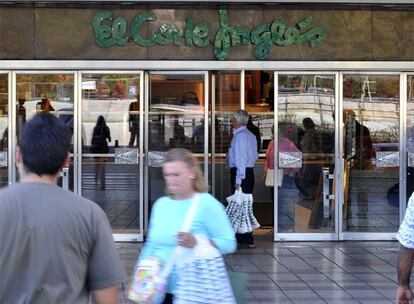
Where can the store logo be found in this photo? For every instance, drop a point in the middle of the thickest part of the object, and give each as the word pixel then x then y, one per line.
pixel 114 32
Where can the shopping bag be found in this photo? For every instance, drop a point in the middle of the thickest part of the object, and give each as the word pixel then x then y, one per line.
pixel 240 212
pixel 234 209
pixel 202 276
pixel 148 285
pixel 269 178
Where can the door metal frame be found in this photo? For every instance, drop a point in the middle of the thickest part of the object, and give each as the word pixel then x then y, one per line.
pixel 146 101
pixel 119 237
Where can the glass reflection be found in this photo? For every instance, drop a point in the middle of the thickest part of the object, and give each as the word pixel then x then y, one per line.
pixel 4 132
pixel 371 151
pixel 305 154
pixel 227 100
pixel 110 146
pixel 410 136
pixel 175 120
pixel 52 93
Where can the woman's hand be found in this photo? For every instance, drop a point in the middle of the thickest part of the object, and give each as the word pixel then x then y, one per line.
pixel 186 240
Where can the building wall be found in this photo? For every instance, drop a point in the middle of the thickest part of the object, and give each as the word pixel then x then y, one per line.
pixel 65 32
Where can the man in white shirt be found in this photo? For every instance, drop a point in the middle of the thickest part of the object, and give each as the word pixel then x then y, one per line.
pixel 241 156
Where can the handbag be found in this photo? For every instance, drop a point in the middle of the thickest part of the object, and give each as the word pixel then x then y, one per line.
pixel 202 276
pixel 150 275
pixel 269 180
pixel 240 212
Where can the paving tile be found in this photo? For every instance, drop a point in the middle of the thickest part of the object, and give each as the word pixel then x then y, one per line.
pixel 309 272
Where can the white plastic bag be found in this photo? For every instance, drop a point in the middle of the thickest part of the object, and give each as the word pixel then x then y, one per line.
pixel 240 212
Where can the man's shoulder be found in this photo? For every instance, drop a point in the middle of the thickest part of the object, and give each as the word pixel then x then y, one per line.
pixel 20 191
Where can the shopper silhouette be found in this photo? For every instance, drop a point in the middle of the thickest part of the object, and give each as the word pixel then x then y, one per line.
pixel 134 122
pixel 101 134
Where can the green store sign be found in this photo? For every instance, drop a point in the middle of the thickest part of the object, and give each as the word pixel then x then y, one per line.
pixel 111 32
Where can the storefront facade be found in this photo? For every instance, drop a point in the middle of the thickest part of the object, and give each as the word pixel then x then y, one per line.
pixel 170 75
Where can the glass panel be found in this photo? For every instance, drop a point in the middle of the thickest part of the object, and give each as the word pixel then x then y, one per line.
pixel 175 120
pixel 4 130
pixel 110 160
pixel 410 136
pixel 227 100
pixel 306 153
pixel 371 151
pixel 52 93
pixel 259 103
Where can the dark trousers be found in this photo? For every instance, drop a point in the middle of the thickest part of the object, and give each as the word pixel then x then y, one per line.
pixel 168 299
pixel 247 186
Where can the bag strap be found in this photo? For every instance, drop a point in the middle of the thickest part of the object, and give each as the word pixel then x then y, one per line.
pixel 186 228
pixel 190 214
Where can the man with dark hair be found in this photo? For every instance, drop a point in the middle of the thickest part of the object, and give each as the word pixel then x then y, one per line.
pixel 56 247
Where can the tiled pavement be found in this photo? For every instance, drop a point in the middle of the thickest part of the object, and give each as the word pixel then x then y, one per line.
pixel 311 272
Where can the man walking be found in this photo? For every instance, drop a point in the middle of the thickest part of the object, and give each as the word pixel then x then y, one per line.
pixel 56 247
pixel 242 156
pixel 406 255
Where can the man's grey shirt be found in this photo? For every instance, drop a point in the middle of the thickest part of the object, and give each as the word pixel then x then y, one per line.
pixel 55 246
pixel 242 152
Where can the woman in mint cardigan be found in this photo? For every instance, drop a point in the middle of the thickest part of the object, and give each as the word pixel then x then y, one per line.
pixel 183 179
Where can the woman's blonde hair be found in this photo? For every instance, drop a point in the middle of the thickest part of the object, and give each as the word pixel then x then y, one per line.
pixel 190 160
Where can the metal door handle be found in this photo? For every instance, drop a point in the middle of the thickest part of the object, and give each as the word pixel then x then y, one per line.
pixel 65 178
pixel 326 195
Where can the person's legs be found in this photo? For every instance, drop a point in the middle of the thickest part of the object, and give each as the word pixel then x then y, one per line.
pixel 168 299
pixel 132 137
pixel 247 187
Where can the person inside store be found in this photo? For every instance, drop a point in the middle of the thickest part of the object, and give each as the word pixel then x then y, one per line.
pixel 100 137
pixel 183 179
pixel 44 105
pixel 406 255
pixel 284 145
pixel 178 139
pixel 242 155
pixel 4 142
pixel 56 247
pixel 256 131
pixel 133 121
pixel 197 138
pixel 21 114
pixel 308 178
pixel 362 158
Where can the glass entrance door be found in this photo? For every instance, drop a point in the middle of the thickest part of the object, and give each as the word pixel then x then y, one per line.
pixel 305 156
pixel 175 117
pixel 371 136
pixel 111 143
